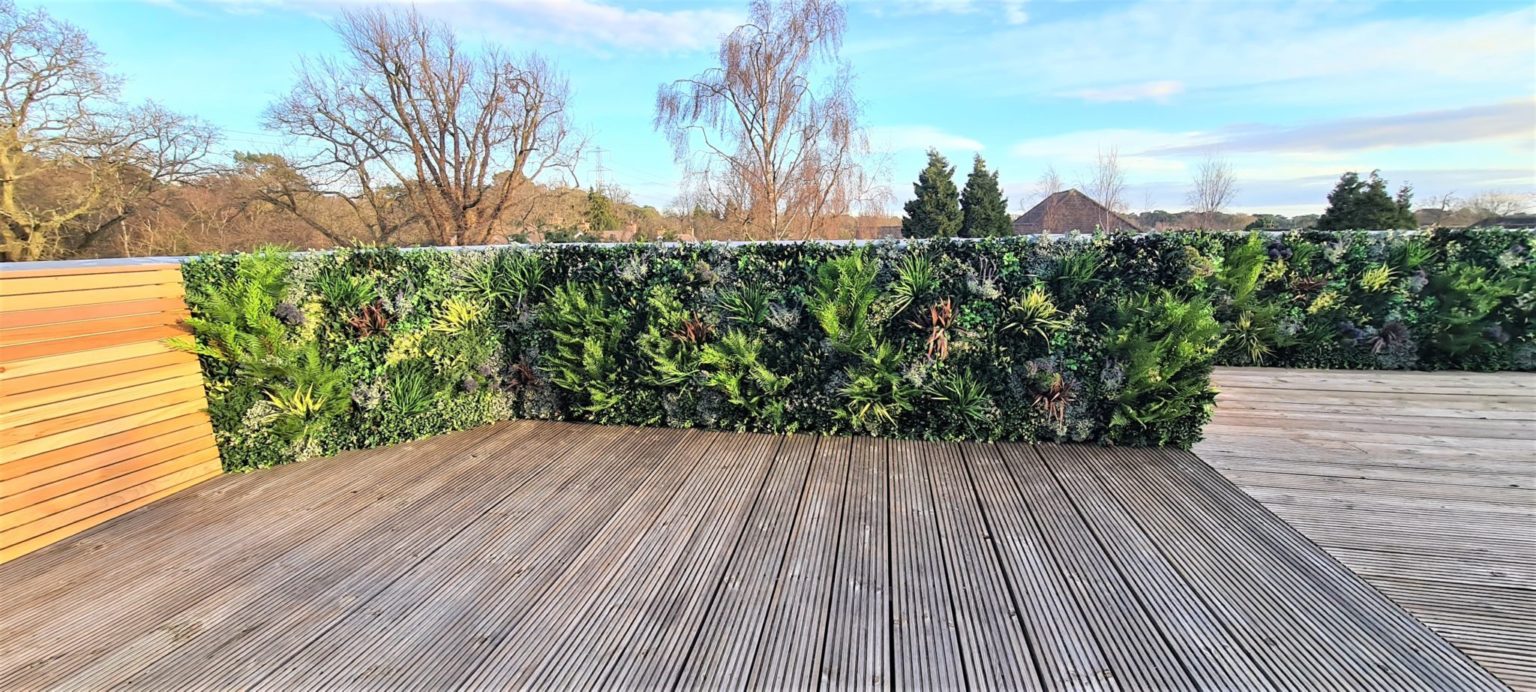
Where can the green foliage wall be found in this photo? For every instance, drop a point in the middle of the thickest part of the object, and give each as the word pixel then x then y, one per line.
pixel 1012 338
pixel 1108 339
pixel 1444 300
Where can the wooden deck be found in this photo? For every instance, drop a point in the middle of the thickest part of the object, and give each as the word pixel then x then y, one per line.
pixel 559 556
pixel 1422 483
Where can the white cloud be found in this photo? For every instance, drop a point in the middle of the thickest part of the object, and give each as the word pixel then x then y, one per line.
pixel 1279 168
pixel 1311 54
pixel 1160 91
pixel 1513 120
pixel 894 138
pixel 585 22
pixel 1013 11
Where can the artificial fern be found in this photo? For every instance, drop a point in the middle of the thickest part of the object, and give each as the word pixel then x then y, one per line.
pixel 735 368
pixel 842 301
pixel 1164 347
pixel 587 332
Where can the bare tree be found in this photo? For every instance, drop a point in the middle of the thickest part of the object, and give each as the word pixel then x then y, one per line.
pixel 760 144
pixel 409 114
pixel 74 162
pixel 1106 185
pixel 1486 204
pixel 1213 187
pixel 1049 183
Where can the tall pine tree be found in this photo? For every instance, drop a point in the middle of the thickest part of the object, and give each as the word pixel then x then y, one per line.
pixel 983 209
pixel 935 210
pixel 1364 205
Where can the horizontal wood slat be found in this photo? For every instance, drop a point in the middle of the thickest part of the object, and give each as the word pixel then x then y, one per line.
pixel 43 430
pixel 98 413
pixel 60 316
pixel 82 496
pixel 67 361
pixel 45 333
pixel 105 449
pixel 91 402
pixel 195 466
pixel 63 284
pixel 172 365
pixel 95 296
pixel 12 552
pixel 43 349
pixel 102 374
pixel 19 271
pixel 196 433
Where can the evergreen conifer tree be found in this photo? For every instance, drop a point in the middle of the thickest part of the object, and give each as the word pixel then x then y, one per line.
pixel 934 212
pixel 983 209
pixel 1357 204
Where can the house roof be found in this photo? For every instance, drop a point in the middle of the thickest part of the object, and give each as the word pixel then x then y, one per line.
pixel 1070 210
pixel 1510 221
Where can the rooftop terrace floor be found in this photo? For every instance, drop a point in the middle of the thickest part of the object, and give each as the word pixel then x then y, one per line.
pixel 1422 483
pixel 560 556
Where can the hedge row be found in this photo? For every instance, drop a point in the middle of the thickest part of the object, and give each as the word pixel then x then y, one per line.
pixel 1107 339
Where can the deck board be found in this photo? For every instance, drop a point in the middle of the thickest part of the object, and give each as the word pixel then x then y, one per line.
pixel 1424 484
pixel 556 555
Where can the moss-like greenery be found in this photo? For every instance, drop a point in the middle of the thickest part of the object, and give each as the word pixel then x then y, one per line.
pixel 1108 339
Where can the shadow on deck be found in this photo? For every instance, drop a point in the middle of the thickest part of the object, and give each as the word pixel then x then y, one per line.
pixel 565 556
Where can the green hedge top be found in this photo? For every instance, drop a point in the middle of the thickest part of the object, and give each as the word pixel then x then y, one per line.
pixel 1107 339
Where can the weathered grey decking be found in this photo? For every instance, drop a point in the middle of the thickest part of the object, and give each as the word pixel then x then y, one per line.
pixel 1422 483
pixel 560 556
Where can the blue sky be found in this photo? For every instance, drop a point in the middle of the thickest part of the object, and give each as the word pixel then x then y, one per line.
pixel 1438 94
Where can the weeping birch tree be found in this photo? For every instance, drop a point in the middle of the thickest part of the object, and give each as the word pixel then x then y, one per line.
pixel 770 138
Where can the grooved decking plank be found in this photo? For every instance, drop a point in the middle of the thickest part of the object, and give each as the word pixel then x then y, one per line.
pixel 992 639
pixel 858 646
pixel 567 556
pixel 251 622
pixel 422 629
pixel 656 650
pixel 794 631
pixel 1066 652
pixel 925 644
pixel 1132 644
pixel 83 628
pixel 520 634
pixel 1387 644
pixel 722 653
pixel 1211 653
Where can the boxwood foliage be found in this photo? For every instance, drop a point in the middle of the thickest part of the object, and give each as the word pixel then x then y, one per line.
pixel 1444 300
pixel 1103 339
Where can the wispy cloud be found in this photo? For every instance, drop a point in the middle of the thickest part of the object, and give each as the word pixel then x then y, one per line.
pixel 1013 12
pixel 584 22
pixel 1514 120
pixel 1322 53
pixel 1291 166
pixel 1160 91
pixel 894 138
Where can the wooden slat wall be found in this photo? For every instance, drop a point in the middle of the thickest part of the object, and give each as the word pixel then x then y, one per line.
pixel 98 416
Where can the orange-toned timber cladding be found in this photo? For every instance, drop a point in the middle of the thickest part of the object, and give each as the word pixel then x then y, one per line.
pixel 98 416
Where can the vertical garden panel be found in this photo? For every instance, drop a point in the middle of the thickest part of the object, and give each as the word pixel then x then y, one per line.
pixel 98 415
